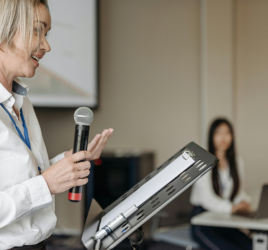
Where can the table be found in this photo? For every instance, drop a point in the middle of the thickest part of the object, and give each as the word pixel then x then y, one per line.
pixel 235 221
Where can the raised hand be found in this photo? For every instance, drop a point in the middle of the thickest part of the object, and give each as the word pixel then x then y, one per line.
pixel 96 146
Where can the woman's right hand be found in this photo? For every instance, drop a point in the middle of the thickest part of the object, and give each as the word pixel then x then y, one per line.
pixel 242 207
pixel 66 173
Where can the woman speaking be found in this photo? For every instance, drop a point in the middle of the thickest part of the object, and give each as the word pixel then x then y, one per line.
pixel 28 180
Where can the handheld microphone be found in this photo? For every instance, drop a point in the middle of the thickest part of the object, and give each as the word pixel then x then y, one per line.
pixel 83 117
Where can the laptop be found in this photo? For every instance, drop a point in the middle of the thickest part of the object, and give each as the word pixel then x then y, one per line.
pixel 262 211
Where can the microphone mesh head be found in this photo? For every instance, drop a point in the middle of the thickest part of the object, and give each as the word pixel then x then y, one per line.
pixel 83 116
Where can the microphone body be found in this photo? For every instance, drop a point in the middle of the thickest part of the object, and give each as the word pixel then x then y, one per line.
pixel 80 144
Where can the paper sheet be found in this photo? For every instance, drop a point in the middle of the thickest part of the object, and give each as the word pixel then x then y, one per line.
pixel 148 189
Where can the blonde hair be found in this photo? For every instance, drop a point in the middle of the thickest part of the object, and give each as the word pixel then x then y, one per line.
pixel 17 16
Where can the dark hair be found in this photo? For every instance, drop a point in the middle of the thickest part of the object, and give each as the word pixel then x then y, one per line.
pixel 230 155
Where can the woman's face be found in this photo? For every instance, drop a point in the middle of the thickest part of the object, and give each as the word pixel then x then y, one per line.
pixel 18 62
pixel 222 137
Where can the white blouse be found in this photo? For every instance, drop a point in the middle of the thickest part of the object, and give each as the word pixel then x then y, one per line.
pixel 204 195
pixel 27 209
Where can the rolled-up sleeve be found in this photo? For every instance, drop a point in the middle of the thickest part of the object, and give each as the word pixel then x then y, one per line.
pixel 22 199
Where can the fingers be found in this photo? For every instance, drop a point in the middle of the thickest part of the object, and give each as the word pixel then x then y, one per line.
pixel 82 166
pixel 81 182
pixel 78 182
pixel 68 153
pixel 79 156
pixel 100 149
pixel 247 205
pixel 93 143
pixel 82 174
pixel 102 139
pixel 94 148
pixel 102 142
pixel 75 177
pixel 243 207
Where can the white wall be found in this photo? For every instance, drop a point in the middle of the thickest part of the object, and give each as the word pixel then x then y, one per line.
pixel 252 90
pixel 216 68
pixel 149 84
pixel 149 74
pixel 168 68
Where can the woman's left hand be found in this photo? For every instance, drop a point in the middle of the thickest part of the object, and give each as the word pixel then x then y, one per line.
pixel 96 145
pixel 246 206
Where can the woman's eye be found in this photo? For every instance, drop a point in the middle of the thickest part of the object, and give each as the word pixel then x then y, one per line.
pixel 38 30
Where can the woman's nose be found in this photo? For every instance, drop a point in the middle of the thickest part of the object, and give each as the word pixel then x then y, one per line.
pixel 45 45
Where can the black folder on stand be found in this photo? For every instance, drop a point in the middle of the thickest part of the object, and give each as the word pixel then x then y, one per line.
pixel 149 196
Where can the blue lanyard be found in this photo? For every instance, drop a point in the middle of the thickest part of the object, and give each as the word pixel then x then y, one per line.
pixel 24 138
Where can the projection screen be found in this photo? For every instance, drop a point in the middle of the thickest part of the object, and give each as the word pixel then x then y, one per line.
pixel 67 75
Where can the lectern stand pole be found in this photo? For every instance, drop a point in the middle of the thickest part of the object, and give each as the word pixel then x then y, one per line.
pixel 136 238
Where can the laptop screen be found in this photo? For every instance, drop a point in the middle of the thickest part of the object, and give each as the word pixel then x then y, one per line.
pixel 263 205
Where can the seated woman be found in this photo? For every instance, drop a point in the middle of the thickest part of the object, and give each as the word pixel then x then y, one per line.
pixel 221 191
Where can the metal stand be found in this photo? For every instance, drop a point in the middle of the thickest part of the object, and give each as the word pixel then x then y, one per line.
pixel 136 238
pixel 149 196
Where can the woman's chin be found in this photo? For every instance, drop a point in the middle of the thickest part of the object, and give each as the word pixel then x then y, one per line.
pixel 224 148
pixel 30 74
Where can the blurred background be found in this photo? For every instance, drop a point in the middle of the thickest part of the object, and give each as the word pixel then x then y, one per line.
pixel 166 70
